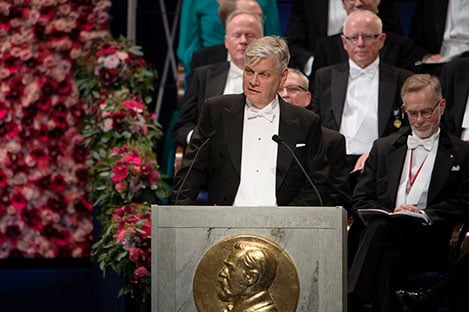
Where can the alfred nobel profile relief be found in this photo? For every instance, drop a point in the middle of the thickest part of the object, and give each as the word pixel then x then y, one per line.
pixel 246 277
pixel 246 273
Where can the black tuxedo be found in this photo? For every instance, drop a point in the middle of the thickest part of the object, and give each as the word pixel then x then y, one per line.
pixel 209 55
pixel 428 24
pixel 455 84
pixel 330 90
pixel 397 51
pixel 207 81
pixel 390 250
pixel 219 162
pixel 334 143
pixel 308 23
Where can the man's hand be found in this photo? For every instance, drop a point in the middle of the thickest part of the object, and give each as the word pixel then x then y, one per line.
pixel 411 208
pixel 360 164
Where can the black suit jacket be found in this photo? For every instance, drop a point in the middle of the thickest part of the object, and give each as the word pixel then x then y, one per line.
pixel 428 24
pixel 207 81
pixel 389 250
pixel 334 143
pixel 210 55
pixel 330 89
pixel 448 193
pixel 308 23
pixel 397 51
pixel 218 164
pixel 455 84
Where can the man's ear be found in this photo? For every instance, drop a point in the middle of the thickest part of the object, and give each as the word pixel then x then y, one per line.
pixel 442 106
pixel 284 76
pixel 251 278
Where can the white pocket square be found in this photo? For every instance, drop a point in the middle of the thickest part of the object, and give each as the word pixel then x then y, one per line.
pixel 455 168
pixel 300 144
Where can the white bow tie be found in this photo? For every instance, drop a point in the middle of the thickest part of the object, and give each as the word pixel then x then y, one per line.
pixel 413 142
pixel 268 115
pixel 357 72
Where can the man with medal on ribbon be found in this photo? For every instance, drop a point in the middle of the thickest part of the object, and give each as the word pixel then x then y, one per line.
pixel 424 170
pixel 360 97
pixel 254 149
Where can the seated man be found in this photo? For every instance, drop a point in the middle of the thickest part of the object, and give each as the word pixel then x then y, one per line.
pixel 424 170
pixel 295 90
pixel 398 50
pixel 455 84
pixel 360 98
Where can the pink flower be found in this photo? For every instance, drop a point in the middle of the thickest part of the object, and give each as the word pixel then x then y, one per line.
pixel 121 186
pixel 135 254
pixel 141 272
pixel 120 171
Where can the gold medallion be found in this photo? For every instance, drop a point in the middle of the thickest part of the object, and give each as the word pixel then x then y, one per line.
pixel 246 273
pixel 397 123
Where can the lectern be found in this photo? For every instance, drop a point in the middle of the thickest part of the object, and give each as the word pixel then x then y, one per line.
pixel 183 237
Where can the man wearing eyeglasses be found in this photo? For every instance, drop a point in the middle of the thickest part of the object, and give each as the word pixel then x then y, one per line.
pixel 422 170
pixel 360 98
pixel 310 21
pixel 295 91
pixel 397 49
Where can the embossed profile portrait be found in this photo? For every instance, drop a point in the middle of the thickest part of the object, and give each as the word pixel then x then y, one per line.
pixel 246 273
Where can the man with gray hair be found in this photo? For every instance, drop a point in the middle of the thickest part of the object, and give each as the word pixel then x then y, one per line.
pixel 232 150
pixel 360 97
pixel 421 170
pixel 220 78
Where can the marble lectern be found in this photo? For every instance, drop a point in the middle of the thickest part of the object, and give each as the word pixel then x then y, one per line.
pixel 313 237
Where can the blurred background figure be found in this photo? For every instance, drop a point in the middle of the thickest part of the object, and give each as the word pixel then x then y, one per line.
pixel 455 84
pixel 397 50
pixel 312 20
pixel 442 27
pixel 200 26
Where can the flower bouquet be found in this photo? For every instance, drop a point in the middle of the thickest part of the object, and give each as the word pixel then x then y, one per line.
pixel 116 84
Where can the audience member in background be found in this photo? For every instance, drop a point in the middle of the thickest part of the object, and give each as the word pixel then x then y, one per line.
pixel 200 26
pixel 424 170
pixel 397 50
pixel 218 53
pixel 220 78
pixel 454 289
pixel 312 20
pixel 295 91
pixel 360 98
pixel 232 150
pixel 455 84
pixel 441 27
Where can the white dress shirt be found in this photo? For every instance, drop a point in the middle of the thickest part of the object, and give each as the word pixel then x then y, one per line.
pixel 456 35
pixel 257 185
pixel 234 80
pixel 416 193
pixel 359 122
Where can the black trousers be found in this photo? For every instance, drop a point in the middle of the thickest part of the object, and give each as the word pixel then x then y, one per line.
pixel 389 250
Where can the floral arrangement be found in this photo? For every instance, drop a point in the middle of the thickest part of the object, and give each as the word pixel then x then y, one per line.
pixel 116 85
pixel 125 247
pixel 44 207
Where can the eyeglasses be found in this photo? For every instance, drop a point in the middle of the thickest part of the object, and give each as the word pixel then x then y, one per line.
pixel 365 37
pixel 292 89
pixel 426 113
pixel 353 1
